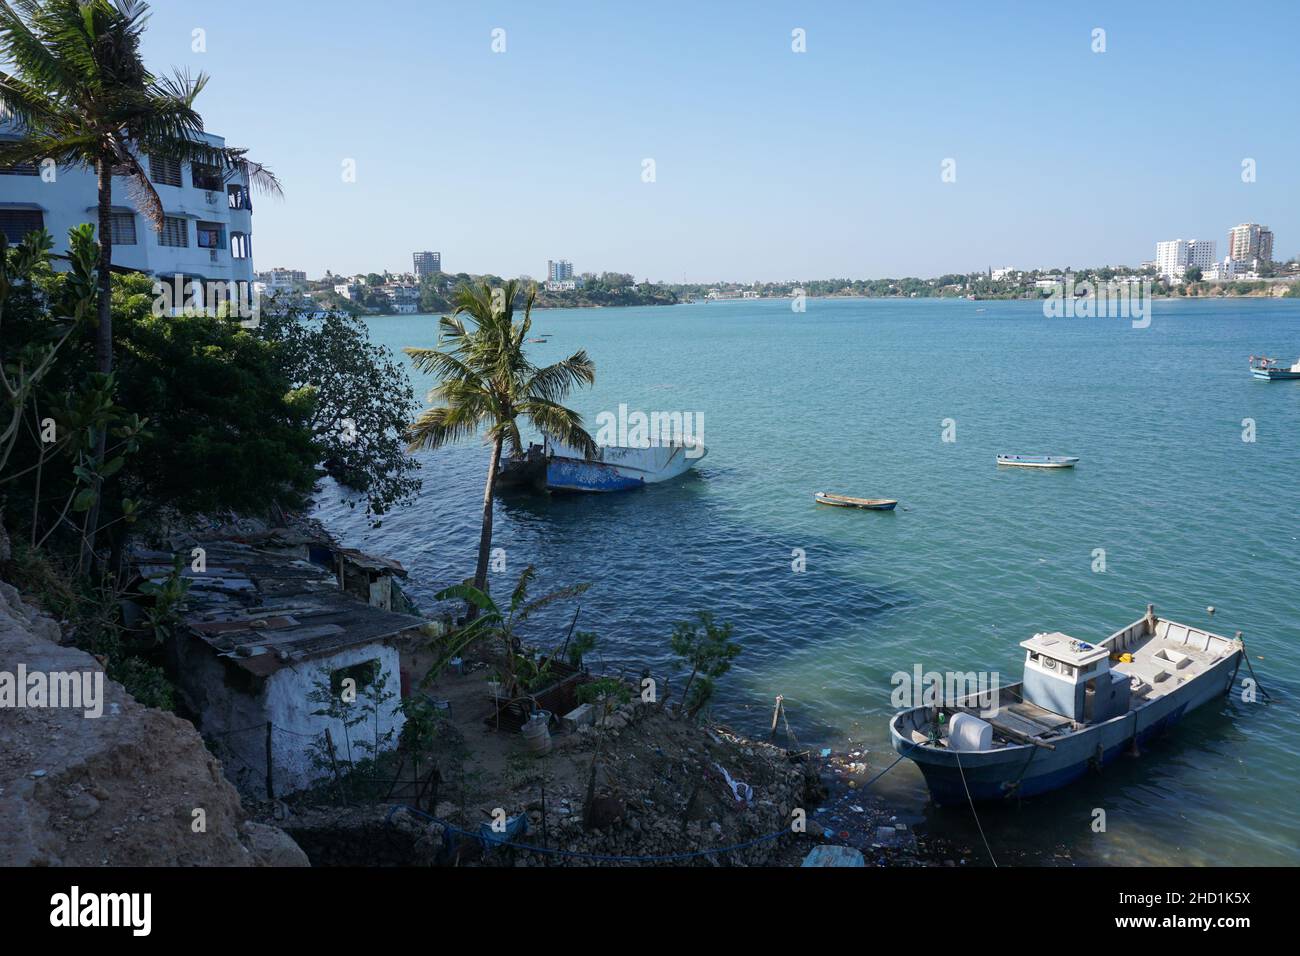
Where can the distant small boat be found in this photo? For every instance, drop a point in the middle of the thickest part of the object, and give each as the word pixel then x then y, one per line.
pixel 844 501
pixel 1269 370
pixel 1038 461
pixel 537 340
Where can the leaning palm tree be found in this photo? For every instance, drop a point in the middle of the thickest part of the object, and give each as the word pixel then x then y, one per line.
pixel 485 382
pixel 79 94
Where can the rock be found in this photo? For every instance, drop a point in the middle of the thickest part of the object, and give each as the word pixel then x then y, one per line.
pixel 83 807
pixel 271 846
pixel 130 778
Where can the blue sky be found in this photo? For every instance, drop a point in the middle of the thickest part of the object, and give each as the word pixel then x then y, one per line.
pixel 769 164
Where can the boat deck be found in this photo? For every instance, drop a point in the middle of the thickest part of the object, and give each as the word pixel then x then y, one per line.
pixel 1017 718
pixel 1163 664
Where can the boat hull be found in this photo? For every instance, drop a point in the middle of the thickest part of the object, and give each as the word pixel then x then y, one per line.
pixel 864 504
pixel 1025 770
pixel 1274 374
pixel 1037 461
pixel 620 469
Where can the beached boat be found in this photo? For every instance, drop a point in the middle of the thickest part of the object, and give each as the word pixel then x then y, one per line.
pixel 554 466
pixel 845 501
pixel 1269 370
pixel 1079 707
pixel 1037 461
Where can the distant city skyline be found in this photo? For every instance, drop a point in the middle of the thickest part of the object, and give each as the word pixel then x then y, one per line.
pixel 695 141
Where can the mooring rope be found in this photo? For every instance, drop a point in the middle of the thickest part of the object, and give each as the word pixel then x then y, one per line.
pixel 972 809
pixel 1251 667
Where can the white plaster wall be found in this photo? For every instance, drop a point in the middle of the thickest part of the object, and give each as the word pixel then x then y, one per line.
pixel 72 199
pixel 289 708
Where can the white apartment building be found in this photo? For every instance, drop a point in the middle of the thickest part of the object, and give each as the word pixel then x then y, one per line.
pixel 207 230
pixel 405 298
pixel 1228 269
pixel 997 275
pixel 1176 256
pixel 282 280
pixel 1251 243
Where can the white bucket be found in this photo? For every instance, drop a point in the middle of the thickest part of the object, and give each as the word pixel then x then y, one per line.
pixel 537 734
pixel 967 732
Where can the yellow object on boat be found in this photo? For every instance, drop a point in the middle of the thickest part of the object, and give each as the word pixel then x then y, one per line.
pixel 1122 658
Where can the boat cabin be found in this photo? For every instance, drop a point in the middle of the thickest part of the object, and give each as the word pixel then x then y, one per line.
pixel 1073 678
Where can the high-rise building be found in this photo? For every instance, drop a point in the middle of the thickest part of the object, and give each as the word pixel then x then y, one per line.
pixel 427 264
pixel 1176 256
pixel 1251 243
pixel 558 270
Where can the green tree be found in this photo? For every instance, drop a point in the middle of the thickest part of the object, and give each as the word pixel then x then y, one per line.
pixel 485 381
pixel 499 623
pixel 709 650
pixel 1193 274
pixel 82 96
pixel 360 400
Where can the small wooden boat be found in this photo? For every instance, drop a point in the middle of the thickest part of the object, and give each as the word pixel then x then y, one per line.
pixel 1269 370
pixel 1038 461
pixel 844 501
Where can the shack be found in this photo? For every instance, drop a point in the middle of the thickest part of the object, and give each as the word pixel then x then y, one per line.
pixel 269 638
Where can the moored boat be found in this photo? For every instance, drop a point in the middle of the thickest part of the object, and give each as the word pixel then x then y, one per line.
pixel 554 466
pixel 1079 707
pixel 1038 461
pixel 846 501
pixel 1269 370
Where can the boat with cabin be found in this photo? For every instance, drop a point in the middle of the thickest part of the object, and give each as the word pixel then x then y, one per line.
pixel 1038 461
pixel 846 501
pixel 556 467
pixel 1079 706
pixel 1270 370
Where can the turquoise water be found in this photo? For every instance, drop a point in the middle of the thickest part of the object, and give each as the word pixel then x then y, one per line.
pixel 851 397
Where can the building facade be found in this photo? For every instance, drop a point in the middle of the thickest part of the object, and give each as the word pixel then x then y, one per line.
pixel 427 264
pixel 1176 256
pixel 207 228
pixel 558 270
pixel 1250 243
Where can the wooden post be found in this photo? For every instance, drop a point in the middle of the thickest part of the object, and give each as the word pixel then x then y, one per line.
pixel 334 764
pixel 270 787
pixel 776 713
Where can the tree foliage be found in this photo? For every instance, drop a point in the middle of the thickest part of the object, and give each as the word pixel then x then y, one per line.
pixel 359 402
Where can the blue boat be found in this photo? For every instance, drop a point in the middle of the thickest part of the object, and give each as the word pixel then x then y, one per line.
pixel 1078 708
pixel 1269 370
pixel 554 466
pixel 1038 461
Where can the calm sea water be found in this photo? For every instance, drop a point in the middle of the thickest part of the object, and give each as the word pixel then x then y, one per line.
pixel 850 397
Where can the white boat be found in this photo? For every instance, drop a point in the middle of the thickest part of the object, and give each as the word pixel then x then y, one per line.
pixel 554 466
pixel 1079 707
pixel 1037 461
pixel 1270 370
pixel 616 467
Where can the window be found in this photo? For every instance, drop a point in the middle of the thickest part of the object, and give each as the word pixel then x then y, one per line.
pixel 212 235
pixel 19 169
pixel 122 229
pixel 175 232
pixel 238 194
pixel 164 170
pixel 17 223
pixel 239 245
pixel 364 674
pixel 207 177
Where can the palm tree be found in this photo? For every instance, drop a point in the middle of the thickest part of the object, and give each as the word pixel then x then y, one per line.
pixel 486 381
pixel 81 95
